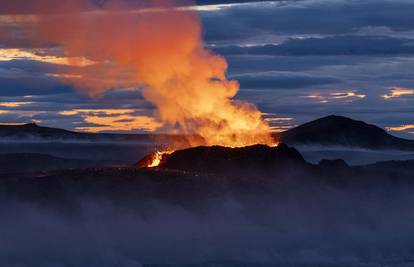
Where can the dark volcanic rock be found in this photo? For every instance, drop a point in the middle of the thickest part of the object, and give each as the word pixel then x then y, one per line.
pixel 217 159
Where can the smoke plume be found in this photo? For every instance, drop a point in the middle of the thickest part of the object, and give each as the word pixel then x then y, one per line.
pixel 156 46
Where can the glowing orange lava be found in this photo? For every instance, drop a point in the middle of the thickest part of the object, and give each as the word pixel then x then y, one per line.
pixel 157 158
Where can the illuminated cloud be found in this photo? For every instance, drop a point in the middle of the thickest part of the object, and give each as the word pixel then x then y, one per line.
pixel 401 128
pixel 64 76
pixel 351 94
pixel 109 120
pixel 16 19
pixel 280 128
pixel 216 7
pixel 278 119
pixel 14 54
pixel 11 123
pixel 397 92
pixel 21 115
pixel 14 104
pixel 211 7
pixel 278 124
pixel 97 112
pixel 334 96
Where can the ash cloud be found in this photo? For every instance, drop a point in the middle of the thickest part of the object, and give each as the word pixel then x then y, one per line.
pixel 328 46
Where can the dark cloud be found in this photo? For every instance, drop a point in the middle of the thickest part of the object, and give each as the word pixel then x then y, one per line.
pixel 336 45
pixel 264 63
pixel 34 67
pixel 31 86
pixel 282 80
pixel 307 17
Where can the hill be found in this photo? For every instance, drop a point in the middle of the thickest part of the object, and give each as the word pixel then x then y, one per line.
pixel 218 159
pixel 32 130
pixel 342 131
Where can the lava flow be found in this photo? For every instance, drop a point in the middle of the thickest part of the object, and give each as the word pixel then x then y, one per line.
pixel 154 159
pixel 158 157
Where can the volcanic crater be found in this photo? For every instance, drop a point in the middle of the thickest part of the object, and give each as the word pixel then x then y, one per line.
pixel 219 159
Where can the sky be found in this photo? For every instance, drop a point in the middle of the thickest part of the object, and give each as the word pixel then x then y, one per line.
pixel 296 60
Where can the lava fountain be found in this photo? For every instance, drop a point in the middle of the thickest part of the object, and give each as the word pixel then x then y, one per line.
pixel 154 159
pixel 155 47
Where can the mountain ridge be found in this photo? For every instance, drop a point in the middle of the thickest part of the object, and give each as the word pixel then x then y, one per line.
pixel 331 130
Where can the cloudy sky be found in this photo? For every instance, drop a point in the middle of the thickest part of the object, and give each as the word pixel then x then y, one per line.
pixel 296 60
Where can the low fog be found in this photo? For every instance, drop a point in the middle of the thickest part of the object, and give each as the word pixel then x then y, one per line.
pixel 116 151
pixel 212 221
pixel 352 155
pixel 130 152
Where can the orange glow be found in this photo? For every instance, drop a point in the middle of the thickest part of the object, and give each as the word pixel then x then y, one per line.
pixel 120 123
pixel 401 128
pixel 280 129
pixel 14 104
pixel 113 120
pixel 12 123
pixel 22 113
pixel 12 54
pixel 278 124
pixel 64 76
pixel 157 158
pixel 159 50
pixel 398 92
pixel 348 96
pixel 96 111
pixel 16 19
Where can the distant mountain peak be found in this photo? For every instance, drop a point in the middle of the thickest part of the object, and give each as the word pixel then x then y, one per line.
pixel 33 130
pixel 343 131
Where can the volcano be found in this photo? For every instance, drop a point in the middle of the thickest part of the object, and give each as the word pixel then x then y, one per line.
pixel 219 159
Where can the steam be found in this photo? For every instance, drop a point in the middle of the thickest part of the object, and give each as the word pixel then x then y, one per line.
pixel 157 46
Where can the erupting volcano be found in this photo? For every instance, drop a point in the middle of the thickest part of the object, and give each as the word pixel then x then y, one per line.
pixel 155 47
pixel 218 159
